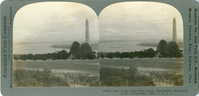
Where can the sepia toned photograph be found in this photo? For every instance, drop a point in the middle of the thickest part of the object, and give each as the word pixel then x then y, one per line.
pixel 140 44
pixel 99 48
pixel 65 44
pixel 55 45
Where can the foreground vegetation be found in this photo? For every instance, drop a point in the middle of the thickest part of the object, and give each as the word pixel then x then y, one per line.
pixel 45 78
pixel 132 77
pixel 112 77
pixel 165 78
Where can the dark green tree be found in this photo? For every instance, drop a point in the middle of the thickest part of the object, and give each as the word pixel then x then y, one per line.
pixel 161 48
pixel 101 55
pixel 44 57
pixel 150 52
pixel 173 50
pixel 30 56
pixel 16 56
pixel 75 49
pixel 117 54
pixel 110 55
pixel 62 55
pixel 90 56
pixel 131 55
pixel 86 51
pixel 124 54
pixel 23 57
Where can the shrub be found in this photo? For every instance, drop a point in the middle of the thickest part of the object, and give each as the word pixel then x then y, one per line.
pixel 90 56
pixel 140 56
pixel 44 58
pixel 131 56
pixel 36 78
pixel 123 77
pixel 54 58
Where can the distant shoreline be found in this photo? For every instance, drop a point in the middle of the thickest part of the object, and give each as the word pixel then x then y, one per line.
pixel 67 46
pixel 155 44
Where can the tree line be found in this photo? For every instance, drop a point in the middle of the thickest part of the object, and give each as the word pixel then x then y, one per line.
pixel 169 49
pixel 54 56
pixel 77 51
pixel 84 51
pixel 147 53
pixel 164 49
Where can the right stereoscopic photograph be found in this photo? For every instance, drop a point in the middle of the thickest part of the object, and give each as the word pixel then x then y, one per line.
pixel 141 44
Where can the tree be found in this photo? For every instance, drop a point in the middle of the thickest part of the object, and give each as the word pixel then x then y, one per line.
pixel 131 55
pixel 136 53
pixel 101 55
pixel 161 48
pixel 117 54
pixel 140 54
pixel 30 56
pixel 86 51
pixel 173 50
pixel 150 53
pixel 124 54
pixel 16 56
pixel 110 55
pixel 54 56
pixel 63 54
pixel 75 49
pixel 23 57
pixel 44 57
pixel 90 56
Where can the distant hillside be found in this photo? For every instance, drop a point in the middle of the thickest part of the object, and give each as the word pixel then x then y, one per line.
pixel 67 46
pixel 154 44
pixel 148 44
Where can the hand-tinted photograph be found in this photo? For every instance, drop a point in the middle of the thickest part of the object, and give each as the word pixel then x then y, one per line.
pixel 141 44
pixel 65 44
pixel 55 45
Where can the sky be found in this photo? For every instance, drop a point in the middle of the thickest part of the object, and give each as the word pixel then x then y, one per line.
pixel 54 22
pixel 61 21
pixel 139 21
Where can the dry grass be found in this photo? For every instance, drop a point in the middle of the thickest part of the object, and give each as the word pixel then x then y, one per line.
pixel 111 77
pixel 124 77
pixel 45 78
pixel 132 77
pixel 81 80
pixel 166 78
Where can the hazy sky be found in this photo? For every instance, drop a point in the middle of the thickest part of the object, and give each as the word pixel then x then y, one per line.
pixel 65 21
pixel 54 21
pixel 139 20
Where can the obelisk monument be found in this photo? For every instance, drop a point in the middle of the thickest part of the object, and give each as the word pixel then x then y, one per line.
pixel 87 31
pixel 174 30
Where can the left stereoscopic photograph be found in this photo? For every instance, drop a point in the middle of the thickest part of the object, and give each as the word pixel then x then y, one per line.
pixel 66 44
pixel 55 45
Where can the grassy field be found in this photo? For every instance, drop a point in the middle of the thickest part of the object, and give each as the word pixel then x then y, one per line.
pixel 88 73
pixel 45 78
pixel 76 66
pixel 120 77
pixel 142 72
pixel 110 77
pixel 162 64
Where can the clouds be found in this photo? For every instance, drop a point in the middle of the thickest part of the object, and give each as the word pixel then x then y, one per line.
pixel 54 21
pixel 139 20
pixel 65 21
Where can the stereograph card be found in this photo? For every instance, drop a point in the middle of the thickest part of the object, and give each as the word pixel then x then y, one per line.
pixel 99 48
